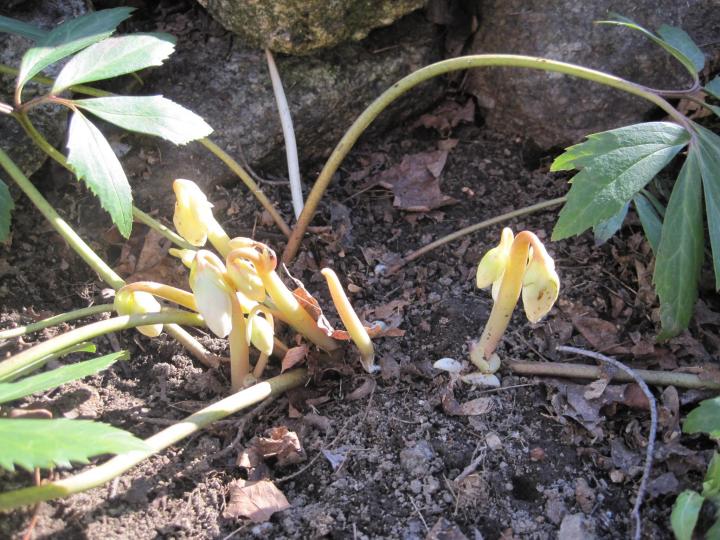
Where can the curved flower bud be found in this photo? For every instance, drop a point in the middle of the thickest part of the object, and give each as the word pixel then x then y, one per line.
pixel 541 285
pixel 492 265
pixel 213 295
pixel 134 302
pixel 261 333
pixel 245 279
pixel 187 256
pixel 193 212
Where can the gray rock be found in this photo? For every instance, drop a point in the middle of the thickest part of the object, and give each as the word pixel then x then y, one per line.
pixel 416 459
pixel 229 86
pixel 557 110
pixel 303 26
pixel 576 526
pixel 49 120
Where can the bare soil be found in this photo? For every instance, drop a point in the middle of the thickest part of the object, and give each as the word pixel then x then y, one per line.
pixel 549 459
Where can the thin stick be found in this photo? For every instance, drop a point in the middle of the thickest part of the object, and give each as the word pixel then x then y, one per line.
pixel 474 228
pixel 54 321
pixel 653 426
pixel 582 371
pixel 291 152
pixel 113 468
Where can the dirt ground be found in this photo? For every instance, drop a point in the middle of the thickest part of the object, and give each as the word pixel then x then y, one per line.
pixel 385 456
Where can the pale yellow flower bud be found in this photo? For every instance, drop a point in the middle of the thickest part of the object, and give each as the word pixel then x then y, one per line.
pixel 245 279
pixel 213 295
pixel 193 212
pixel 261 333
pixel 492 265
pixel 187 256
pixel 136 302
pixel 541 285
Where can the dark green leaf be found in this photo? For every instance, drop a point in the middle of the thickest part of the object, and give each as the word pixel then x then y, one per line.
pixel 57 377
pixel 115 56
pixel 677 53
pixel 709 159
pixel 21 28
pixel 713 87
pixel 94 162
pixel 711 485
pixel 685 514
pixel 605 230
pixel 6 208
pixel 69 38
pixel 49 443
pixel 153 115
pixel 679 38
pixel 27 368
pixel 651 223
pixel 705 418
pixel 680 253
pixel 614 166
pixel 713 533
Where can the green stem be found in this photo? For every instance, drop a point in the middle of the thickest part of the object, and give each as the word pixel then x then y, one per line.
pixel 473 228
pixel 231 163
pixel 34 355
pixel 113 468
pixel 440 68
pixel 60 225
pixel 168 233
pixel 53 321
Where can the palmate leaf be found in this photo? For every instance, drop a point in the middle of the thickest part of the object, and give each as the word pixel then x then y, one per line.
pixel 685 514
pixel 649 219
pixel 705 418
pixel 614 165
pixel 57 377
pixel 68 38
pixel 6 208
pixel 94 162
pixel 153 115
pixel 709 159
pixel 680 253
pixel 671 39
pixel 21 28
pixel 31 443
pixel 115 56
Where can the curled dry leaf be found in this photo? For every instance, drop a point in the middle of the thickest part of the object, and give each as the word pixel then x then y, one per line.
pixel 294 356
pixel 255 500
pixel 280 443
pixel 365 389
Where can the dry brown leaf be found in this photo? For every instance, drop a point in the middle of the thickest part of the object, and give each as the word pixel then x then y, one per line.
pixel 415 181
pixel 294 356
pixel 365 389
pixel 446 116
pixel 281 444
pixel 253 463
pixel 601 334
pixel 255 500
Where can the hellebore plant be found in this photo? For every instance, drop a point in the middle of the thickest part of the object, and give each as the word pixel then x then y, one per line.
pixel 517 265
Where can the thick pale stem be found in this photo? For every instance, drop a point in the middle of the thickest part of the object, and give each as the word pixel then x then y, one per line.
pixel 218 237
pixel 173 294
pixel 440 68
pixel 239 350
pixel 35 355
pixel 507 299
pixel 113 468
pixel 350 319
pixel 291 311
pixel 260 366
pixel 54 321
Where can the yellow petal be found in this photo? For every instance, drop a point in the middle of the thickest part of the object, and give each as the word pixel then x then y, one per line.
pixel 243 276
pixel 138 302
pixel 261 334
pixel 492 265
pixel 541 286
pixel 193 212
pixel 213 295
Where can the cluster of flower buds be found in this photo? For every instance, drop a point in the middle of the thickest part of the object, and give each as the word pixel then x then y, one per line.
pixel 240 297
pixel 517 265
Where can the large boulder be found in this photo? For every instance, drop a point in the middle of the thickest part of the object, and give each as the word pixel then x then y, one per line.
pixel 49 120
pixel 303 26
pixel 555 109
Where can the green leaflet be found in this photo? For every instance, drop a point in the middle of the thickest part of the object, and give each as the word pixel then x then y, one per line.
pixel 713 87
pixel 650 220
pixel 31 443
pixel 711 485
pixel 114 56
pixel 605 230
pixel 678 52
pixel 6 208
pixel 680 253
pixel 153 115
pixel 709 160
pixel 68 38
pixel 679 38
pixel 614 165
pixel 94 162
pixel 705 418
pixel 685 514
pixel 57 377
pixel 21 28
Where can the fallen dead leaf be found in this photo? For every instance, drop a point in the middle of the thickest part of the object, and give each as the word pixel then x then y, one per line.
pixel 281 444
pixel 294 356
pixel 255 500
pixel 365 389
pixel 446 116
pixel 601 334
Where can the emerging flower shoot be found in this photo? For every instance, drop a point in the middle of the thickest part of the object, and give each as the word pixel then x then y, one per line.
pixel 517 265
pixel 134 302
pixel 193 217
